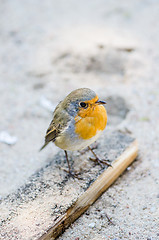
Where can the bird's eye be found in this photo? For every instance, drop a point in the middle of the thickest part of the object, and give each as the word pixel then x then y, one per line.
pixel 83 104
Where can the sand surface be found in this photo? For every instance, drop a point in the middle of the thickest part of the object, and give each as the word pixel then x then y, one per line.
pixel 49 48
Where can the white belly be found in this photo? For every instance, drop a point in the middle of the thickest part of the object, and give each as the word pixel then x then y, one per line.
pixel 76 143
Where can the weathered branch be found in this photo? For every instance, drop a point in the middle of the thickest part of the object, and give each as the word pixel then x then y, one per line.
pixel 93 192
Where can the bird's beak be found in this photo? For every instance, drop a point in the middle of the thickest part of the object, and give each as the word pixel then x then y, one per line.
pixel 100 102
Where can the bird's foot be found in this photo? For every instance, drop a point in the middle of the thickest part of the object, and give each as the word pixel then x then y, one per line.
pixel 101 161
pixel 98 160
pixel 73 174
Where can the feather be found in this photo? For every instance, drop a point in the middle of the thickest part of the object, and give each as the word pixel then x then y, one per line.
pixel 51 134
pixel 46 143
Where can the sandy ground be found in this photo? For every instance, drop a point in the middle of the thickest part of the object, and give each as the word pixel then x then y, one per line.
pixel 47 49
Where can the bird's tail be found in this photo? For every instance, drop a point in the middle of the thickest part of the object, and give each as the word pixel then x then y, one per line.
pixel 46 143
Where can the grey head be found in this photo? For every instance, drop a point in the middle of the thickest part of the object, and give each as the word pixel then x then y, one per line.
pixel 71 102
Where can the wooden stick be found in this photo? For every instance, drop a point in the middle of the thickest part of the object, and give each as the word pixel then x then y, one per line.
pixel 93 192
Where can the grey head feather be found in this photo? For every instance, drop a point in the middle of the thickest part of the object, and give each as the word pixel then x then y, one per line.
pixel 71 102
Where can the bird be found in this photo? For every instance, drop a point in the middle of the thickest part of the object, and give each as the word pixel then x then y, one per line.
pixel 77 122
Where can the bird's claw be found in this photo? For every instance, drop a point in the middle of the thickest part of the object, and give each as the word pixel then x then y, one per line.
pixel 101 162
pixel 73 174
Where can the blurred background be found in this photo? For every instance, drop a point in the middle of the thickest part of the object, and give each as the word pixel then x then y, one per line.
pixel 49 48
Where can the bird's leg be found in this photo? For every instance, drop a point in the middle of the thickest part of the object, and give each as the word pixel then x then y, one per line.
pixel 99 161
pixel 93 146
pixel 68 163
pixel 71 173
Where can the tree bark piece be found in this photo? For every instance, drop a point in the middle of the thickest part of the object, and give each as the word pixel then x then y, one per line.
pixel 93 192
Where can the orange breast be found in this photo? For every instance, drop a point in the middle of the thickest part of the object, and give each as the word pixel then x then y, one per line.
pixel 90 121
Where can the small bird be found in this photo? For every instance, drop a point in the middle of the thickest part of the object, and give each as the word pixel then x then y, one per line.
pixel 77 122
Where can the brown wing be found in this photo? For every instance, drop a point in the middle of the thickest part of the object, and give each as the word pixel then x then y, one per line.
pixel 51 134
pixel 60 121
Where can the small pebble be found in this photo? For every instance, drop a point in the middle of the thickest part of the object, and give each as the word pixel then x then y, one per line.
pixel 144 207
pixel 102 212
pixel 56 210
pixel 92 225
pixel 128 168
